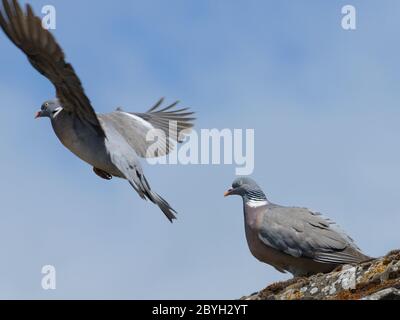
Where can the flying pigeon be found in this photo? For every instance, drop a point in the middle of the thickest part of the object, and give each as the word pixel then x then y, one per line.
pixel 112 143
pixel 292 239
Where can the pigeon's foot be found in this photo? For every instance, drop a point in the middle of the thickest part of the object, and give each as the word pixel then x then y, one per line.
pixel 102 174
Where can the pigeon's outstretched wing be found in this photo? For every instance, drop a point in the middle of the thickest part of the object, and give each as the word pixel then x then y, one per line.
pixel 134 127
pixel 25 30
pixel 303 233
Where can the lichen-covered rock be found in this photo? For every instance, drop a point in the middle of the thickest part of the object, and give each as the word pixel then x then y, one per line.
pixel 377 279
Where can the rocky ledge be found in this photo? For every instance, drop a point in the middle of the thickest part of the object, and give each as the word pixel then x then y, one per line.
pixel 377 279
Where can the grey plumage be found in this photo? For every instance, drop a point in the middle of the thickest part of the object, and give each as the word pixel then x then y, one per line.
pixel 292 239
pixel 112 143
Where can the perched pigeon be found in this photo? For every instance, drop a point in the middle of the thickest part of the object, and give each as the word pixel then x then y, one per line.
pixel 112 143
pixel 292 239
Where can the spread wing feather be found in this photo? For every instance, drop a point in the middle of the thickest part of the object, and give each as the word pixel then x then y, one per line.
pixel 135 127
pixel 25 30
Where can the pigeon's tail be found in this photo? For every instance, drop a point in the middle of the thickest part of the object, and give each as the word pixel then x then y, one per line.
pixel 361 257
pixel 164 206
pixel 145 192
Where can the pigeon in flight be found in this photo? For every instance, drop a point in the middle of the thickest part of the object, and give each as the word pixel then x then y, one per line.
pixel 292 239
pixel 112 143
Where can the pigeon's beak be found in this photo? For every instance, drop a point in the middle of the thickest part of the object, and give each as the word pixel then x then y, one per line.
pixel 38 114
pixel 228 193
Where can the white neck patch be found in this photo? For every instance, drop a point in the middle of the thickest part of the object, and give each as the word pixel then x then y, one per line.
pixel 58 110
pixel 256 203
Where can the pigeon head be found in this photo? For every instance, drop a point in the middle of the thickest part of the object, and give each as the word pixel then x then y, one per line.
pixel 247 188
pixel 50 109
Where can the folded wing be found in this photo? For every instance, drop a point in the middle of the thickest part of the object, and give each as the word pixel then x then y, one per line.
pixel 303 233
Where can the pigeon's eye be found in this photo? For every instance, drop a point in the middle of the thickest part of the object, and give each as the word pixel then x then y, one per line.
pixel 236 184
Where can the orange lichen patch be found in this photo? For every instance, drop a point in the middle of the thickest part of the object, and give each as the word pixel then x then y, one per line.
pixel 378 268
pixel 293 295
pixel 364 290
pixel 346 295
pixel 371 276
pixel 278 287
pixel 374 270
pixel 300 283
pixel 393 255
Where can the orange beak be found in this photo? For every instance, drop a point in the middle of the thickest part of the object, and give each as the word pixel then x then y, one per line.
pixel 228 193
pixel 37 115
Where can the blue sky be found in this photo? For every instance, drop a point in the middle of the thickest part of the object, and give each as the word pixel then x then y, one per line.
pixel 323 103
